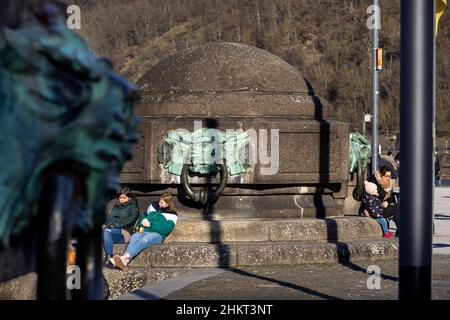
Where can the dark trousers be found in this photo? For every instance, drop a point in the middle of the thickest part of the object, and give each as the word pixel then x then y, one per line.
pixel 392 211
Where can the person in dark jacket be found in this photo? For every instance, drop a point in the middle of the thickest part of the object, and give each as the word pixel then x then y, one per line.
pixel 120 223
pixel 153 227
pixel 437 172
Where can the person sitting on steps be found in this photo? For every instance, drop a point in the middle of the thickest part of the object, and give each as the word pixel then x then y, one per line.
pixel 119 223
pixel 153 228
pixel 391 207
pixel 375 209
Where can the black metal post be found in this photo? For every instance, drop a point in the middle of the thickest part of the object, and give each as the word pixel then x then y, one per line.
pixel 55 224
pixel 416 142
pixel 375 87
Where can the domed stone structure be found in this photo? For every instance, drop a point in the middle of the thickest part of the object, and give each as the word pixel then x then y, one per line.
pixel 238 86
pixel 224 67
pixel 228 79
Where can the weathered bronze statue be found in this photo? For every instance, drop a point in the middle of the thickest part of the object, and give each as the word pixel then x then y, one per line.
pixel 66 129
pixel 359 154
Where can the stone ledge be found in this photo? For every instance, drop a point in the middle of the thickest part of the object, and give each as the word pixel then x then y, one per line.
pixel 136 277
pixel 277 230
pixel 265 253
pixel 24 288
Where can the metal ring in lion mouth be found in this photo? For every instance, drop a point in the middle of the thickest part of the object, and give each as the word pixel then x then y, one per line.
pixel 203 196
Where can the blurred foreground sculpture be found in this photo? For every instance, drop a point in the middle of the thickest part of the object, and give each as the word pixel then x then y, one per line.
pixel 66 130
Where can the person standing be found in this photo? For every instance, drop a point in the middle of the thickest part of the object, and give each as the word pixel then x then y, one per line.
pixel 437 169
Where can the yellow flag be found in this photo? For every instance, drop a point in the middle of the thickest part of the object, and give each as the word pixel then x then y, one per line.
pixel 440 7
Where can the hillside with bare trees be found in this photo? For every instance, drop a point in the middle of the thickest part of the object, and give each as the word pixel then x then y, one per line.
pixel 327 40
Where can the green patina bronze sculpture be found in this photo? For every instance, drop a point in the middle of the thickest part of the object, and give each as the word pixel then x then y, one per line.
pixel 66 130
pixel 360 151
pixel 205 152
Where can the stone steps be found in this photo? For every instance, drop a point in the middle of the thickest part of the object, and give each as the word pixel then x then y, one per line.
pixel 119 282
pixel 274 230
pixel 261 242
pixel 229 255
pixel 230 243
pixel 134 278
pixel 171 260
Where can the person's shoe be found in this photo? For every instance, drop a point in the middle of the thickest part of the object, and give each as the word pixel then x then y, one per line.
pixel 106 259
pixel 388 235
pixel 110 264
pixel 119 263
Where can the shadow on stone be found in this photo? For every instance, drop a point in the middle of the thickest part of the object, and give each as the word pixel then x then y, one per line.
pixel 287 285
pixel 355 267
pixel 332 237
pixel 441 217
pixel 344 252
pixel 441 245
pixel 223 250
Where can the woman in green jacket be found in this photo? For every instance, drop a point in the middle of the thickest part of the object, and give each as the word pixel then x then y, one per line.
pixel 120 223
pixel 154 226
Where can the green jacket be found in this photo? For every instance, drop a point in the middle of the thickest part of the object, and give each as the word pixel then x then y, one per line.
pixel 162 221
pixel 123 216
